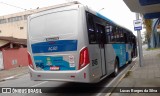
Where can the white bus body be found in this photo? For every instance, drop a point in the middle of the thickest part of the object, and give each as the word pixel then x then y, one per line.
pixel 59 48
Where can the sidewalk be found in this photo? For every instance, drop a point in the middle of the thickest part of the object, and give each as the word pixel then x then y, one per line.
pixel 146 76
pixel 12 73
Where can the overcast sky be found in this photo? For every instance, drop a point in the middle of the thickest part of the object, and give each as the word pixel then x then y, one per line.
pixel 115 10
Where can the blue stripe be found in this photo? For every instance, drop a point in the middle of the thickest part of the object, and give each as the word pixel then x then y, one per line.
pixel 152 15
pixel 120 50
pixel 54 46
pixel 148 2
pixel 105 18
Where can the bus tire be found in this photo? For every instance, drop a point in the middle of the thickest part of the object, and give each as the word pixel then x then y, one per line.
pixel 116 67
pixel 130 61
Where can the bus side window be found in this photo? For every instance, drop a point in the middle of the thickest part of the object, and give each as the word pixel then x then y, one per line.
pixel 108 33
pixel 113 34
pixel 122 36
pixel 100 32
pixel 118 35
pixel 125 38
pixel 91 29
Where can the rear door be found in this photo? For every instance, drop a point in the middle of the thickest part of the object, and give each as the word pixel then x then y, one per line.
pixel 96 34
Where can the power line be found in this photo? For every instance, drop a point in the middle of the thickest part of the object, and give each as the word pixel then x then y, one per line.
pixel 13 6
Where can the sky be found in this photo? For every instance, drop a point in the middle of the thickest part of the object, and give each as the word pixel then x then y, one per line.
pixel 116 10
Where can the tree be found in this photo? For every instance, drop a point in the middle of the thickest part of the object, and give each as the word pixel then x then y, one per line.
pixel 148 26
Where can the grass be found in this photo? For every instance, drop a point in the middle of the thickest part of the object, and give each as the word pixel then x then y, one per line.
pixel 148 49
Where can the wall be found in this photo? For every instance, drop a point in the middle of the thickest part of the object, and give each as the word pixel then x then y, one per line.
pixel 1 61
pixel 13 29
pixel 14 58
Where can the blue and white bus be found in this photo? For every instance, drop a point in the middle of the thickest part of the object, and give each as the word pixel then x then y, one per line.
pixel 74 43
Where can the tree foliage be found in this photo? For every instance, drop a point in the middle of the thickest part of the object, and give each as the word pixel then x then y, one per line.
pixel 148 24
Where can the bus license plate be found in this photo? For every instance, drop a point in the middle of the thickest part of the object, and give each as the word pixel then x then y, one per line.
pixel 54 68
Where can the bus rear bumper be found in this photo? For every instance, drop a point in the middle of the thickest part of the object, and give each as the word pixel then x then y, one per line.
pixel 68 76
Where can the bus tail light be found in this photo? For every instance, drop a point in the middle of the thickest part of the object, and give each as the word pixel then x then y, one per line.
pixel 30 61
pixel 83 58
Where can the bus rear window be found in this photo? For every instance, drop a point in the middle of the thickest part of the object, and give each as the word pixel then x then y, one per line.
pixel 53 24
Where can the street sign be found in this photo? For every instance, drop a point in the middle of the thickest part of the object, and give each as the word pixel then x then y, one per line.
pixel 137 24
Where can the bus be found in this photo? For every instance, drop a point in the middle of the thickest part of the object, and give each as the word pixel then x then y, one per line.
pixel 73 43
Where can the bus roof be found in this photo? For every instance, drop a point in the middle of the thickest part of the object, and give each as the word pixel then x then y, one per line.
pixel 110 21
pixel 96 13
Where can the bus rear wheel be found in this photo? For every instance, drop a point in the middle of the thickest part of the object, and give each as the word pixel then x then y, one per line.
pixel 116 68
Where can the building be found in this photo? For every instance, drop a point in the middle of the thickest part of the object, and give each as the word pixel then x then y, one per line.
pixel 13 36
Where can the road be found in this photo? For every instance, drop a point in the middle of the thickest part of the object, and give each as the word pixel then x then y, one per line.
pixel 52 86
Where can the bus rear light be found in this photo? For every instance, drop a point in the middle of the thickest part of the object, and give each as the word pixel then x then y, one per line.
pixel 30 61
pixel 83 58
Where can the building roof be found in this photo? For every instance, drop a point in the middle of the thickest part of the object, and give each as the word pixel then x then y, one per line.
pixel 3 42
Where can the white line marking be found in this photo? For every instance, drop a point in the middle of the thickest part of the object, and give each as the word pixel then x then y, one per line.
pixel 39 84
pixel 11 77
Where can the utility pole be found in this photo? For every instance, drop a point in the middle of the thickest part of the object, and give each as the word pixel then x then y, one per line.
pixel 140 51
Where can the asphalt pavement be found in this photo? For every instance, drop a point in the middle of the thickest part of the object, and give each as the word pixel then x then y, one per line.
pixel 13 73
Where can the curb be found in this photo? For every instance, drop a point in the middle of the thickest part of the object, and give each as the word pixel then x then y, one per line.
pixel 121 77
